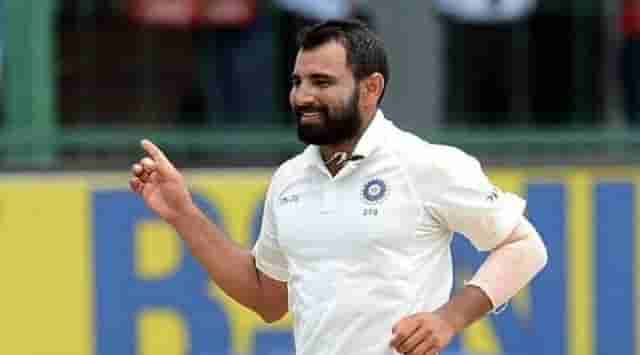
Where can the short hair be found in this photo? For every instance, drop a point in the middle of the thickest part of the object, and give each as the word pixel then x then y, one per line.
pixel 365 51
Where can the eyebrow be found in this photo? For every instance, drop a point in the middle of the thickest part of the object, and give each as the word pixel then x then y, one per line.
pixel 316 76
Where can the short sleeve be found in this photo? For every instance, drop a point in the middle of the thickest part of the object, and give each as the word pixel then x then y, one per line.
pixel 269 257
pixel 468 203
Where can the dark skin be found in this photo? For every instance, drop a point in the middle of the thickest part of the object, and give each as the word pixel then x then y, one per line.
pixel 321 76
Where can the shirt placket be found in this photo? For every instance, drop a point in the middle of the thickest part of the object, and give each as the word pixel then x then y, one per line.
pixel 329 197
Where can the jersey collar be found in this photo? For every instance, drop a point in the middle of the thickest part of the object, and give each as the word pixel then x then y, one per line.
pixel 368 143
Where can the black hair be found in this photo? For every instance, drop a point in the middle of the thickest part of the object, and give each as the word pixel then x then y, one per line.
pixel 365 51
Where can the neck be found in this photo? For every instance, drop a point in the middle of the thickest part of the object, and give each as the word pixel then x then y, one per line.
pixel 348 146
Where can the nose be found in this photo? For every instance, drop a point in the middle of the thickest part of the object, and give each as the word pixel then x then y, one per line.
pixel 301 97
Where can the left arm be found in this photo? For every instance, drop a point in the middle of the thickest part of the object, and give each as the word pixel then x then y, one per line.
pixel 509 267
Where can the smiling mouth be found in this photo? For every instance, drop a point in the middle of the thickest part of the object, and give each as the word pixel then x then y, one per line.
pixel 308 117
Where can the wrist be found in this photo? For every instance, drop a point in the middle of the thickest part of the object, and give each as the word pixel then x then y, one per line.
pixel 184 215
pixel 465 307
pixel 453 317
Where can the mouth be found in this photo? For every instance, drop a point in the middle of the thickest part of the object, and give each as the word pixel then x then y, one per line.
pixel 310 117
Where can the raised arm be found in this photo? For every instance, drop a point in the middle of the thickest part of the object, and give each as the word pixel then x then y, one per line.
pixel 231 267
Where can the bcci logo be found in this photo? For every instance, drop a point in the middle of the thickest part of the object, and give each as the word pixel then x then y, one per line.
pixel 375 191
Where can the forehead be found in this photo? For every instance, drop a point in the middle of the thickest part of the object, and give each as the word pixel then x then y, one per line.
pixel 329 58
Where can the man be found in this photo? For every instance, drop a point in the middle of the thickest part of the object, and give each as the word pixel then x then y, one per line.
pixel 356 230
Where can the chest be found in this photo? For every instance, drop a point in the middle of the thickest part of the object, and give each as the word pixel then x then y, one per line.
pixel 367 211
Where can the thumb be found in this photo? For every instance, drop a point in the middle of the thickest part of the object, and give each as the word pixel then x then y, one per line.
pixel 161 160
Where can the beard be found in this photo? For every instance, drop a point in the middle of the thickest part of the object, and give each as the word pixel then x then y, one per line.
pixel 335 126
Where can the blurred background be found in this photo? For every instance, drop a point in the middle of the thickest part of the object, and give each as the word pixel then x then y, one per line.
pixel 546 93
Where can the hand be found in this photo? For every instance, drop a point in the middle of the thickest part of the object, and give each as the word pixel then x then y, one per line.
pixel 422 334
pixel 160 184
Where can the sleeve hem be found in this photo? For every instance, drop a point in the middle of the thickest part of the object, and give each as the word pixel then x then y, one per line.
pixel 272 271
pixel 504 230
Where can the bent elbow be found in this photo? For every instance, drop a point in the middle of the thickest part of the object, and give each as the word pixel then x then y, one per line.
pixel 536 250
pixel 272 317
pixel 270 312
pixel 545 258
pixel 541 254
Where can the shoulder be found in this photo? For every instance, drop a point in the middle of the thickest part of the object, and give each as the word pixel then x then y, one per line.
pixel 289 171
pixel 432 161
pixel 293 166
pixel 449 161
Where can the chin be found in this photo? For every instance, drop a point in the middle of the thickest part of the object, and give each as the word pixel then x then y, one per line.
pixel 315 138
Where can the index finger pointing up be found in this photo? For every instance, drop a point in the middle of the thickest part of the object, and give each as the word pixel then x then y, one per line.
pixel 155 153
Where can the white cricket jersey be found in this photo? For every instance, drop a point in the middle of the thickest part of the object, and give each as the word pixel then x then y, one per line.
pixel 371 245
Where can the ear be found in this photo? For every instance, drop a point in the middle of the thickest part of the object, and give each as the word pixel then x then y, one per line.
pixel 372 88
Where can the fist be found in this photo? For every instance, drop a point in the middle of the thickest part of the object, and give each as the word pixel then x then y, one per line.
pixel 422 334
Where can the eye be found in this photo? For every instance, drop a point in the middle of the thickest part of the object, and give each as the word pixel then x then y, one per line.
pixel 322 83
pixel 295 82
